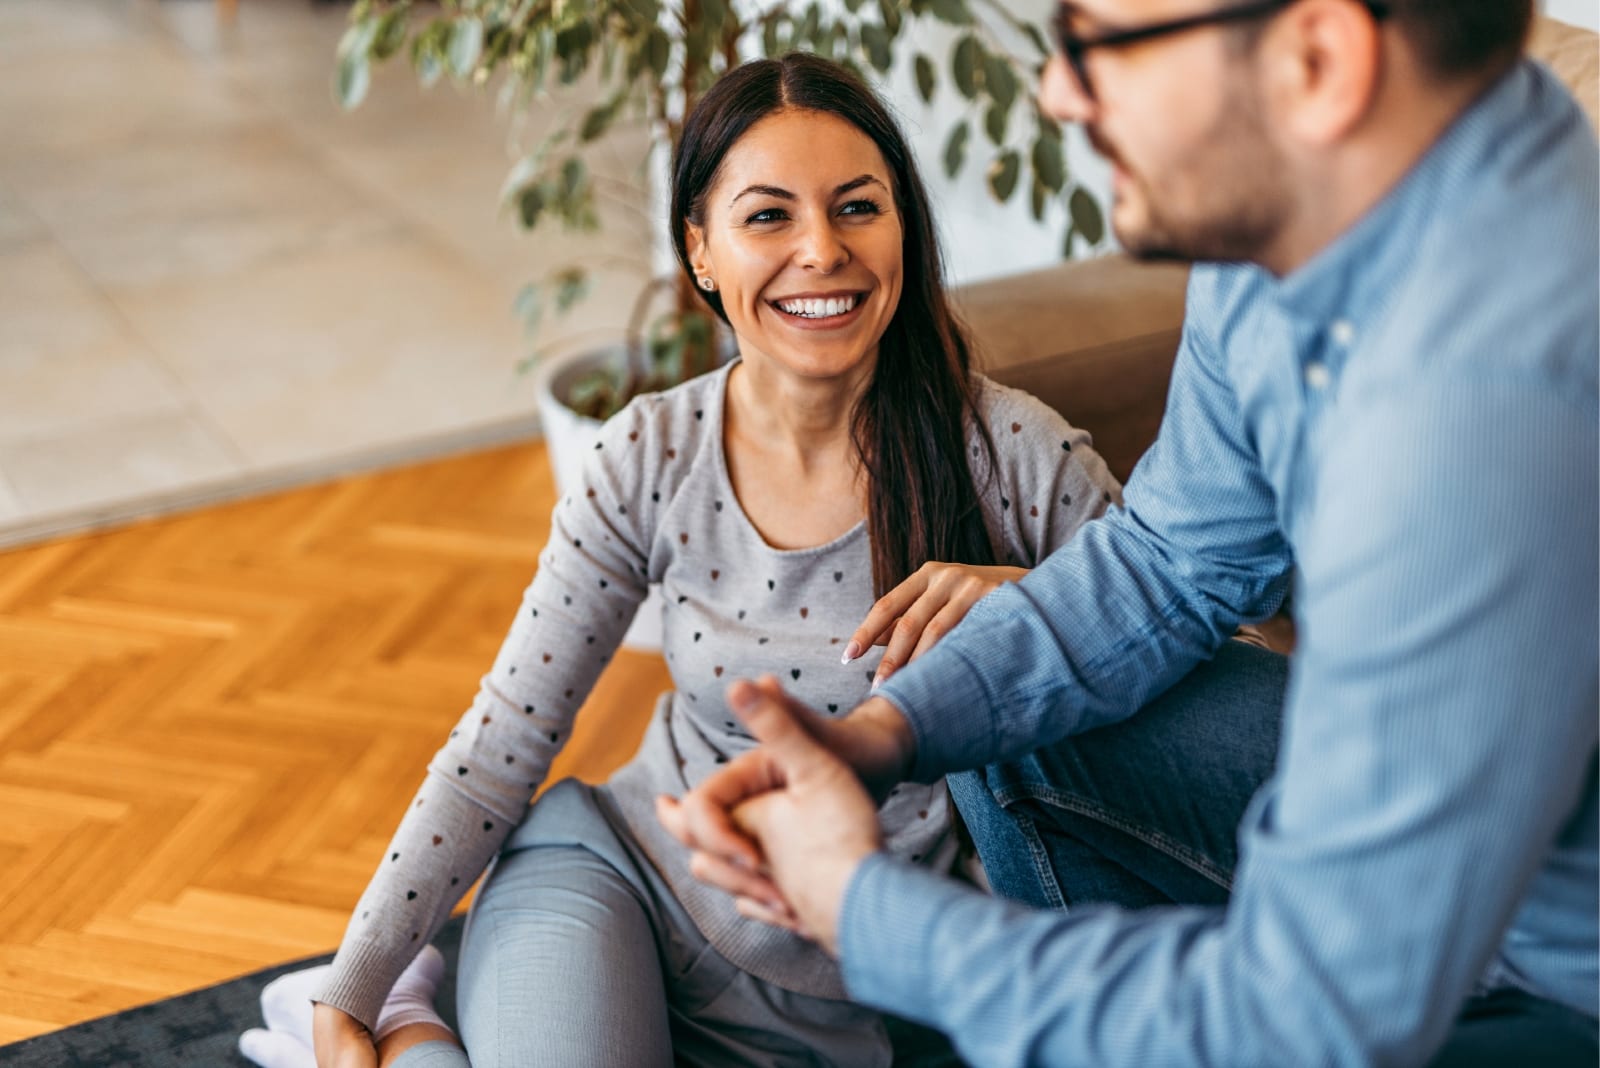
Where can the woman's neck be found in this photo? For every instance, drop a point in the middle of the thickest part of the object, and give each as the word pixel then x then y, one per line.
pixel 804 422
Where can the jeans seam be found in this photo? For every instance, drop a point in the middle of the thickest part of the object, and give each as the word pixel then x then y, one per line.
pixel 1192 859
pixel 1040 856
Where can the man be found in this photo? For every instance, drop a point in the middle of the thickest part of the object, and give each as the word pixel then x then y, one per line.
pixel 1386 385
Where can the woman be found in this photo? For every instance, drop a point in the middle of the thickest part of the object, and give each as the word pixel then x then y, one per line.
pixel 847 446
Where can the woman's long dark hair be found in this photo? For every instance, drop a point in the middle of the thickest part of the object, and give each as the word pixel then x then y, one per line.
pixel 909 426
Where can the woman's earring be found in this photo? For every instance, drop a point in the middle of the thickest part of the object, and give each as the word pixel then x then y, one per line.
pixel 707 284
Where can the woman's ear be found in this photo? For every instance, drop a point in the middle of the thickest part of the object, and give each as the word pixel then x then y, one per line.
pixel 694 241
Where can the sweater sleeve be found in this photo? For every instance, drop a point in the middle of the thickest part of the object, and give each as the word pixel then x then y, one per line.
pixel 592 576
pixel 1049 480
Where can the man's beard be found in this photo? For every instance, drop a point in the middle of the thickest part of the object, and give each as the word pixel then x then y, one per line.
pixel 1237 206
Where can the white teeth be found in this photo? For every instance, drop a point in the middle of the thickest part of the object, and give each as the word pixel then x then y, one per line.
pixel 819 309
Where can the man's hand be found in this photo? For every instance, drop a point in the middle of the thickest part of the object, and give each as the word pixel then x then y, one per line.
pixel 914 615
pixel 807 815
pixel 874 741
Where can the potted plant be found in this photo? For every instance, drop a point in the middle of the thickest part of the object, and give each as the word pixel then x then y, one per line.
pixel 645 63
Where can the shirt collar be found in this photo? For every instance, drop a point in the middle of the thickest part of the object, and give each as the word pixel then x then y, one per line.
pixel 1352 279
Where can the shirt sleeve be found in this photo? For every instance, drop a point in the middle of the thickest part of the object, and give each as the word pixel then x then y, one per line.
pixel 1440 739
pixel 1128 606
pixel 592 576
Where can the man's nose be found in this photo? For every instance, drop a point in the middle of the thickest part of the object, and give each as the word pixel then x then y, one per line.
pixel 1062 96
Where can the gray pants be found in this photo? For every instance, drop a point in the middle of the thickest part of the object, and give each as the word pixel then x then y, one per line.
pixel 577 954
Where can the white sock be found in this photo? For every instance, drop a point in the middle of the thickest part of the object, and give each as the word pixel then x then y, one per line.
pixel 275 1049
pixel 286 1002
pixel 411 1000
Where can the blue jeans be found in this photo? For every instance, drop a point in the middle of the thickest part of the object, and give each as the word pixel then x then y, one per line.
pixel 1146 812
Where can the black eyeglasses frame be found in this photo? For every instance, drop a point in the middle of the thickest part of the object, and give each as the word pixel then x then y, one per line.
pixel 1076 49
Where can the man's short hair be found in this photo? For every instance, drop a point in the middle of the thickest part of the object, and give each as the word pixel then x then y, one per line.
pixel 1454 38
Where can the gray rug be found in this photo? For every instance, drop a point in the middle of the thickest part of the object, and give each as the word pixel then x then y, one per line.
pixel 196 1030
pixel 201 1029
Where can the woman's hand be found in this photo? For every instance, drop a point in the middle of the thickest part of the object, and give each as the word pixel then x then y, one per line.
pixel 342 1041
pixel 914 615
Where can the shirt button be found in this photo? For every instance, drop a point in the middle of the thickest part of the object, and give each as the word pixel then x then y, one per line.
pixel 1342 332
pixel 1317 376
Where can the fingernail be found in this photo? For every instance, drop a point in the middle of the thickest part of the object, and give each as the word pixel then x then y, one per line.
pixel 742 696
pixel 851 651
pixel 877 680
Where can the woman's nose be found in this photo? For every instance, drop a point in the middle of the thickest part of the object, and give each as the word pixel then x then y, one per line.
pixel 820 248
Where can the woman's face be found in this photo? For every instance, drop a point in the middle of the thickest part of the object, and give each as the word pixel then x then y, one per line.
pixel 803 241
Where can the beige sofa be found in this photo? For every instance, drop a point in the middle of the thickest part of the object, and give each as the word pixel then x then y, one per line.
pixel 1096 338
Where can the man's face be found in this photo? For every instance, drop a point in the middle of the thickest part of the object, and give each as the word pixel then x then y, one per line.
pixel 1195 172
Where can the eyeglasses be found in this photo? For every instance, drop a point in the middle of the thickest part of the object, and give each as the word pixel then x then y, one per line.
pixel 1076 48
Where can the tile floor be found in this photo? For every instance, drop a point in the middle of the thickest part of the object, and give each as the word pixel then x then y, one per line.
pixel 213 281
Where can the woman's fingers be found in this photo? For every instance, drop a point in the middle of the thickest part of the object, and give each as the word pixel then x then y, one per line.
pixel 881 616
pixel 943 623
pixel 751 909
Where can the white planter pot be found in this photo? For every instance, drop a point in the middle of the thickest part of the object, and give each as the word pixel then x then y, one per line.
pixel 570 438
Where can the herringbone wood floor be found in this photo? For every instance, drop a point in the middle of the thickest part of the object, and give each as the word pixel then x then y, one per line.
pixel 210 724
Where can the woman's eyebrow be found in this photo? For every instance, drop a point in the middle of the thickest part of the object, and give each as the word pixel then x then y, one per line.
pixel 784 194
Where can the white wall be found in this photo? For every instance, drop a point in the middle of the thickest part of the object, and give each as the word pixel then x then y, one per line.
pixel 1584 13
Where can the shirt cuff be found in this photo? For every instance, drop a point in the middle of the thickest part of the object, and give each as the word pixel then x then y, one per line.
pixel 943 700
pixel 886 924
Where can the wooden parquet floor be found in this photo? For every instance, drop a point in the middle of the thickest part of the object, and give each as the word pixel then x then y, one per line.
pixel 210 724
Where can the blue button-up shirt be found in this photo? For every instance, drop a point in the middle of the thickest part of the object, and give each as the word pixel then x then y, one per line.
pixel 1407 423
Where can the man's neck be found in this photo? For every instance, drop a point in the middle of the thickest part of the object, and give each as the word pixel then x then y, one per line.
pixel 1340 186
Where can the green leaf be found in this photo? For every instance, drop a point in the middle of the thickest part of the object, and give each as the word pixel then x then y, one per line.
pixel 927 80
pixel 889 11
pixel 572 285
pixel 597 121
pixel 573 176
pixel 1067 241
pixel 1003 174
pixel 713 13
pixel 1000 80
pixel 1038 197
pixel 573 45
pixel 529 307
pixel 952 11
pixel 875 42
pixel 358 38
pixel 853 6
pixel 660 52
pixel 965 65
pixel 1045 51
pixel 391 34
pixel 352 79
pixel 771 44
pixel 530 204
pixel 427 57
pixel 994 123
pixel 466 45
pixel 647 11
pixel 810 27
pixel 1086 218
pixel 1048 164
pixel 955 149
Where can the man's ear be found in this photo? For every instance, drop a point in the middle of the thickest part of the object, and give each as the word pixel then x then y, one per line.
pixel 694 241
pixel 1323 69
